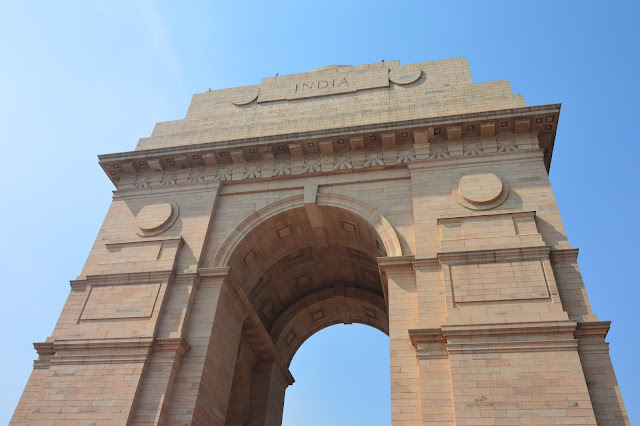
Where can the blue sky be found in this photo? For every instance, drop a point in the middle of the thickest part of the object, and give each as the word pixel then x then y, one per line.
pixel 79 79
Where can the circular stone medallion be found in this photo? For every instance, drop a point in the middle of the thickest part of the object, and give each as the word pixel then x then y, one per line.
pixel 481 188
pixel 245 95
pixel 153 216
pixel 405 75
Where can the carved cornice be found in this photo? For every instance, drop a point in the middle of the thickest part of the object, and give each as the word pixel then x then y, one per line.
pixel 564 255
pixel 492 214
pixel 155 191
pixel 592 329
pixel 512 346
pixel 106 351
pixel 179 240
pixel 487 159
pixel 509 329
pixel 178 345
pixel 497 255
pixel 123 279
pixel 430 263
pixel 426 335
pixel 485 338
pixel 429 343
pixel 217 271
pixel 384 144
pixel 591 336
pixel 394 262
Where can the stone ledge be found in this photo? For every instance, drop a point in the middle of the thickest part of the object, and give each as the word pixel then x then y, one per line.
pixel 106 351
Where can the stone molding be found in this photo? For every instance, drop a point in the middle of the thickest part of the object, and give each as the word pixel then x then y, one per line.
pixel 488 338
pixel 106 351
pixel 382 226
pixel 264 151
pixel 123 279
pixel 591 337
pixel 495 255
pixel 564 255
pixel 183 189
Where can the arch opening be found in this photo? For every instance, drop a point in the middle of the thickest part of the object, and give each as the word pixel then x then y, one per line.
pixel 343 378
pixel 302 271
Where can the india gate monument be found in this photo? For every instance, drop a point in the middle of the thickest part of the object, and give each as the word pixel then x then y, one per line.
pixel 401 196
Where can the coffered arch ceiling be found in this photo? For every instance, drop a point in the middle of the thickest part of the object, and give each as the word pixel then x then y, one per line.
pixel 301 278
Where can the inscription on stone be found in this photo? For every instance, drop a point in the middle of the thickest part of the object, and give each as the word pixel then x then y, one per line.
pixel 300 86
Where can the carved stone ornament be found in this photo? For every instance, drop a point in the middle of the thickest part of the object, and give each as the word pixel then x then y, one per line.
pixel 142 182
pixel 282 168
pixel 507 143
pixel 223 174
pixel 311 165
pixel 169 179
pixel 252 171
pixel 438 151
pixel 155 218
pixel 472 147
pixel 480 191
pixel 196 175
pixel 406 74
pixel 245 95
pixel 342 162
pixel 373 159
pixel 406 155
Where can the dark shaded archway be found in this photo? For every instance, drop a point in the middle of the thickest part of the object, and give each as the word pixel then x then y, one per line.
pixel 302 269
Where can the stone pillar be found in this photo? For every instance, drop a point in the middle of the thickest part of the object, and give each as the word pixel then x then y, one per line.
pixel 435 373
pixel 158 377
pixel 267 394
pixel 402 305
pixel 203 383
pixel 599 375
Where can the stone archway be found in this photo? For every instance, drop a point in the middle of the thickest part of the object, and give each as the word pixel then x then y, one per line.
pixel 302 268
pixel 235 234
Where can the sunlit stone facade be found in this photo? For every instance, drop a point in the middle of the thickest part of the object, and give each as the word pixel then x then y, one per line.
pixel 405 197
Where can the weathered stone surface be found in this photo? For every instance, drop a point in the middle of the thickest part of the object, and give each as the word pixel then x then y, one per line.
pixel 405 197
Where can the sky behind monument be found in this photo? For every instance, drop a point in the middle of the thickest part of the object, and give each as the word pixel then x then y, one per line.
pixel 79 79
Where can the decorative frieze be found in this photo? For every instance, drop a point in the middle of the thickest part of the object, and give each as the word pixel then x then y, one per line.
pixel 252 171
pixel 321 157
pixel 282 167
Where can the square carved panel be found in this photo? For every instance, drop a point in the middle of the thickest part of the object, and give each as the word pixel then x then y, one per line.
pixel 120 301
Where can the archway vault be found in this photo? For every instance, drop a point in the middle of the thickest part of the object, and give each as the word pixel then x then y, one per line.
pixel 301 267
pixel 377 221
pixel 304 266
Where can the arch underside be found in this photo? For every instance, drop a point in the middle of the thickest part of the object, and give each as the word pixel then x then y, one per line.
pixel 300 278
pixel 303 268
